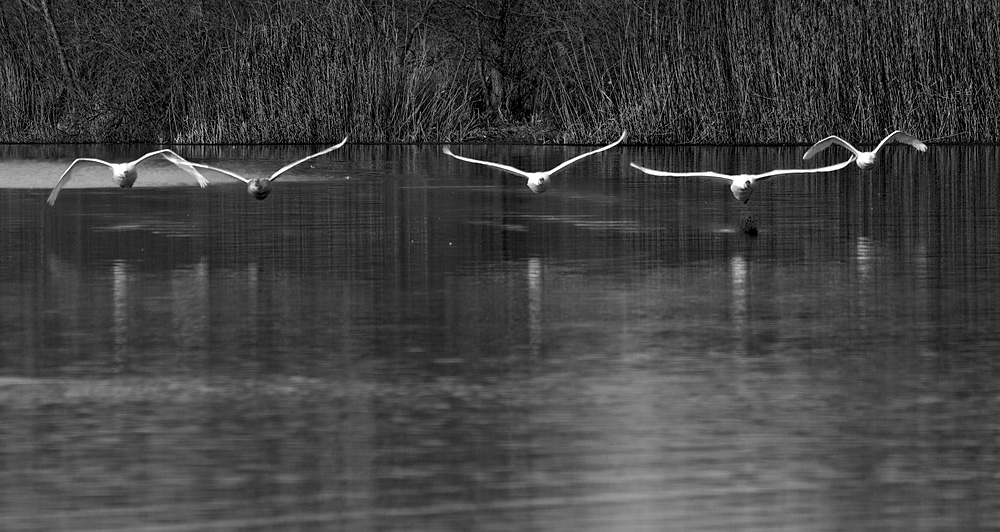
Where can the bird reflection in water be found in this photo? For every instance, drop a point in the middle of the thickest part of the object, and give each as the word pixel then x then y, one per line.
pixel 120 310
pixel 189 297
pixel 739 273
pixel 252 309
pixel 864 254
pixel 535 305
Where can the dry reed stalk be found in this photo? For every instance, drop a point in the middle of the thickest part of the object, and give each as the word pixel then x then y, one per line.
pixel 711 71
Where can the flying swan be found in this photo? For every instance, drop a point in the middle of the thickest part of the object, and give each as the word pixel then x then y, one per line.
pixel 743 185
pixel 125 174
pixel 261 187
pixel 866 159
pixel 538 182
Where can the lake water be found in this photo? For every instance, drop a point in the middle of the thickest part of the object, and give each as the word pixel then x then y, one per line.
pixel 396 340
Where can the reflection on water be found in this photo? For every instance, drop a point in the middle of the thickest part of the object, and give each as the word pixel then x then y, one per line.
pixel 741 313
pixel 120 311
pixel 535 304
pixel 415 349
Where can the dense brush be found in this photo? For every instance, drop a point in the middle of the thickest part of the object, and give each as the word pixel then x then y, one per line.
pixel 411 70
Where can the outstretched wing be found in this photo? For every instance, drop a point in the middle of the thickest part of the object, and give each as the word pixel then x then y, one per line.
pixel 504 167
pixel 65 177
pixel 588 154
pixel 289 166
pixel 179 161
pixel 220 170
pixel 904 138
pixel 768 175
pixel 825 143
pixel 661 173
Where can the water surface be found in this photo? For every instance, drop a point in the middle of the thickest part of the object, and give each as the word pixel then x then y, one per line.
pixel 395 340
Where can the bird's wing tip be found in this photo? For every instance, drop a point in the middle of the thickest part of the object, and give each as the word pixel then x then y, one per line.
pixel 812 151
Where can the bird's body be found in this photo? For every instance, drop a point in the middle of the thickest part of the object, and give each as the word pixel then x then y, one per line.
pixel 259 188
pixel 125 174
pixel 742 185
pixel 538 182
pixel 865 159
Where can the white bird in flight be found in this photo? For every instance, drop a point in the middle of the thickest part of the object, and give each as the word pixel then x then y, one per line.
pixel 866 159
pixel 125 174
pixel 261 187
pixel 743 185
pixel 538 182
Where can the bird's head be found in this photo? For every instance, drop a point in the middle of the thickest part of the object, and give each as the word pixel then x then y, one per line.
pixel 742 188
pixel 539 183
pixel 124 175
pixel 866 160
pixel 259 188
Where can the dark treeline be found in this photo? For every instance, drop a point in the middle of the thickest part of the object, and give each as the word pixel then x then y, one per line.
pixel 670 71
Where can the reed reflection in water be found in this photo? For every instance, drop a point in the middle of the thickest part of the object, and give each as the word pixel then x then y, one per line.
pixel 416 350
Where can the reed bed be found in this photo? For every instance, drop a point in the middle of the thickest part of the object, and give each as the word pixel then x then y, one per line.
pixel 570 71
